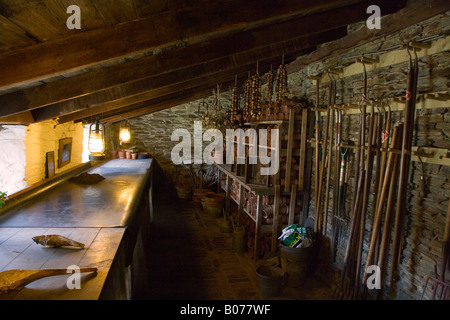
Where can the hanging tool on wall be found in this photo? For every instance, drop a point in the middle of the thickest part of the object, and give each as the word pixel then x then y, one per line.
pixel 346 288
pixel 330 150
pixel 405 159
pixel 389 215
pixel 390 173
pixel 365 198
pixel 318 220
pixel 341 219
pixel 317 142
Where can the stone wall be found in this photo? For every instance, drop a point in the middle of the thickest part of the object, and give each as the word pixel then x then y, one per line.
pixel 426 214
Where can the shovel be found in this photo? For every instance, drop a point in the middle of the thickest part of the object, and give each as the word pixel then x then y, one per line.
pixel 341 220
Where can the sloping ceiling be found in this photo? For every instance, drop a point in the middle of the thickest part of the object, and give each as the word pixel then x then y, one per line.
pixel 133 57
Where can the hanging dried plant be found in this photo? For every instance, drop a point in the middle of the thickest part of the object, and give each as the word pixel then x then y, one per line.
pixel 281 88
pixel 216 117
pixel 234 105
pixel 247 98
pixel 270 82
pixel 255 101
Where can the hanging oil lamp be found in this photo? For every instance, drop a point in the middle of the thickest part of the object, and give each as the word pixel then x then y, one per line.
pixel 124 133
pixel 96 144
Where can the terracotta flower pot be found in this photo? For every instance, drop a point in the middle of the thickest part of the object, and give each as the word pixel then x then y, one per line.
pixel 128 154
pixel 121 154
pixel 134 155
pixel 113 154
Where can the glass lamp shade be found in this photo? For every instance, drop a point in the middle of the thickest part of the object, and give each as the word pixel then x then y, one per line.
pixel 125 134
pixel 96 142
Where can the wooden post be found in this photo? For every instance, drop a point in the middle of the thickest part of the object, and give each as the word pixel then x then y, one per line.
pixel 308 168
pixel 258 226
pixel 228 196
pixel 303 134
pixel 241 203
pixel 292 204
pixel 276 213
pixel 290 145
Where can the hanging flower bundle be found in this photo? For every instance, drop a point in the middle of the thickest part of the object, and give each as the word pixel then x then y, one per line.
pixel 216 117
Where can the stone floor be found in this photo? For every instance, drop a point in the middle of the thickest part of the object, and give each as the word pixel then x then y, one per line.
pixel 193 260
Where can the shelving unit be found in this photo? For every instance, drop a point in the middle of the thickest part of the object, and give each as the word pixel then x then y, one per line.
pixel 254 194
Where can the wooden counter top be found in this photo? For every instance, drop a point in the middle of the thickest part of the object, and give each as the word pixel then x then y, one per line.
pixel 18 251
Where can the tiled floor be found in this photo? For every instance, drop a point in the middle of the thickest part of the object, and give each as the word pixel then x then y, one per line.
pixel 193 260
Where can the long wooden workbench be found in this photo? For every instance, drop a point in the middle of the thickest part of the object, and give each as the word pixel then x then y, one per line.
pixel 111 218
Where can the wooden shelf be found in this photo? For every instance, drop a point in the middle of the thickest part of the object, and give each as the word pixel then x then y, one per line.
pixel 291 186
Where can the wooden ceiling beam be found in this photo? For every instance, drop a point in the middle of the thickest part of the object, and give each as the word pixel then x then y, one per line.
pixel 150 106
pixel 110 76
pixel 209 81
pixel 21 118
pixel 157 84
pixel 106 45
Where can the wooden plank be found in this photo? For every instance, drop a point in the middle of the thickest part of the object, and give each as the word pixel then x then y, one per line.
pixel 36 19
pixel 276 214
pixel 258 224
pixel 241 204
pixel 309 160
pixel 19 118
pixel 12 36
pixel 414 13
pixel 303 146
pixel 228 195
pixel 292 204
pixel 116 12
pixel 290 145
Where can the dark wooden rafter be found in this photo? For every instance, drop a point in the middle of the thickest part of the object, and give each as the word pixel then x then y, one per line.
pixel 214 54
pixel 111 76
pixel 416 12
pixel 194 24
pixel 189 88
pixel 303 28
pixel 189 76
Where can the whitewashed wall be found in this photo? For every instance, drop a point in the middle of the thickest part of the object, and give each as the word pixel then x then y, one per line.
pixel 12 158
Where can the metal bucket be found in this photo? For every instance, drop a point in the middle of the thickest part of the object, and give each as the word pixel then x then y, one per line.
pixel 269 280
pixel 295 263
